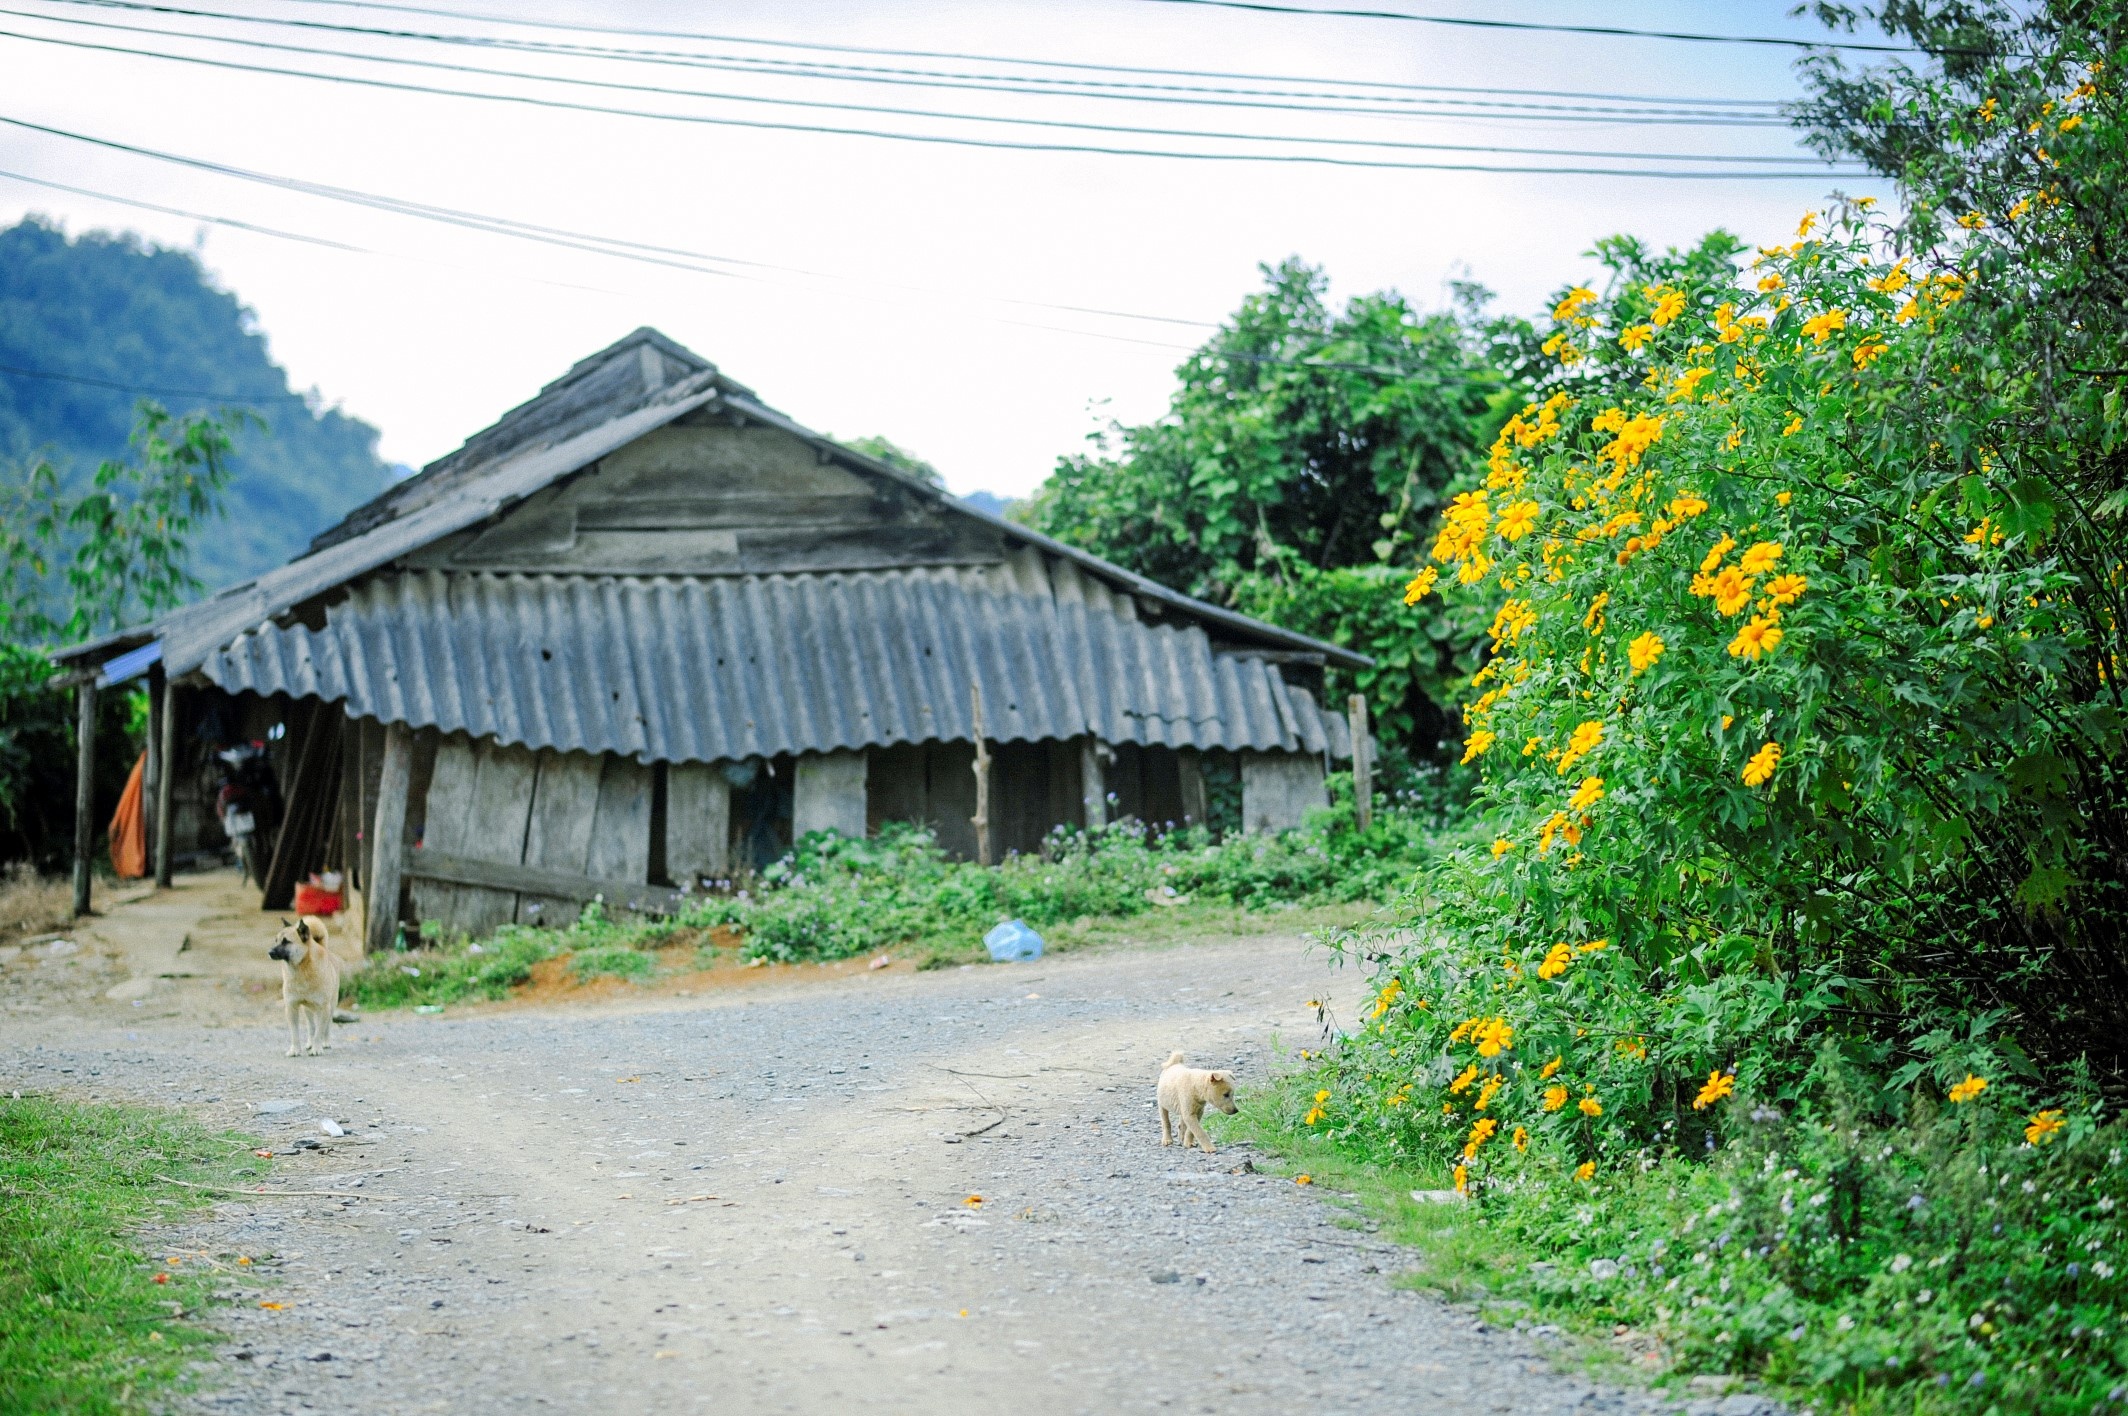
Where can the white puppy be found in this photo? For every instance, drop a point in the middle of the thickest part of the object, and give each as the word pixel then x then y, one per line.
pixel 1184 1093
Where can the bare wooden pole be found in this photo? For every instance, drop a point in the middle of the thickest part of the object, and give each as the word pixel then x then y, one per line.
pixel 84 786
pixel 1362 760
pixel 167 730
pixel 151 797
pixel 387 840
pixel 1093 784
pixel 981 819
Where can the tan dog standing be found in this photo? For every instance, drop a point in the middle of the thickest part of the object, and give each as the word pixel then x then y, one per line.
pixel 1184 1093
pixel 310 984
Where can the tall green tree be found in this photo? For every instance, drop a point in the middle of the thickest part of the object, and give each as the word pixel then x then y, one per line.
pixel 1303 452
pixel 75 564
pixel 78 563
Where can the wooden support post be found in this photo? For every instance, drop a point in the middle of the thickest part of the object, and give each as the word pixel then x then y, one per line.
pixel 167 731
pixel 308 799
pixel 387 840
pixel 1196 808
pixel 151 797
pixel 84 786
pixel 1093 784
pixel 981 819
pixel 1362 761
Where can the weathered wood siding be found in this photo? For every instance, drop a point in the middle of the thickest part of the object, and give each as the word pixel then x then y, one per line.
pixel 710 498
pixel 566 812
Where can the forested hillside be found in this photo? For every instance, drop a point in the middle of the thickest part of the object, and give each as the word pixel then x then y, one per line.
pixel 114 315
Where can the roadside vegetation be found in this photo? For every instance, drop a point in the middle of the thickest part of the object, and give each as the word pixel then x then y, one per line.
pixel 834 898
pixel 88 1322
pixel 1775 1011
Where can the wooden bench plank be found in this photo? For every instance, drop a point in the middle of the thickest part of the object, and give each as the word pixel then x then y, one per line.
pixel 424 864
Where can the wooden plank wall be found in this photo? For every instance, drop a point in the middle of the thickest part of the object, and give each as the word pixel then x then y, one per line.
pixel 705 497
pixel 559 836
pixel 479 800
pixel 697 822
pixel 568 812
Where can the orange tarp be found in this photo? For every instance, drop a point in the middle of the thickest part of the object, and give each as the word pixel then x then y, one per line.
pixel 129 826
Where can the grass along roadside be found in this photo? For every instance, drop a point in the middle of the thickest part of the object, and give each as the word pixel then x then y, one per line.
pixel 1458 1258
pixel 1963 1260
pixel 88 1322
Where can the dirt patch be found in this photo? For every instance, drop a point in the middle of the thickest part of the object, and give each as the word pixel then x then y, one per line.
pixel 681 974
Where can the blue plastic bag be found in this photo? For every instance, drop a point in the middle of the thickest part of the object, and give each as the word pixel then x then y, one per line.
pixel 1013 942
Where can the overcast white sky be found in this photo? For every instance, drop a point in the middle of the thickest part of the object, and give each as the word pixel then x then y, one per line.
pixel 430 331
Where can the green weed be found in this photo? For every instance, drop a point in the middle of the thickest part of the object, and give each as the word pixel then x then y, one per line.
pixel 613 961
pixel 85 1327
pixel 1943 1263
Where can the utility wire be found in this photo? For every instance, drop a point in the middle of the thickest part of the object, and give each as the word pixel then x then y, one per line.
pixel 1800 160
pixel 180 211
pixel 941 139
pixel 682 259
pixel 1605 31
pixel 276 232
pixel 625 249
pixel 1077 65
pixel 268 398
pixel 1610 111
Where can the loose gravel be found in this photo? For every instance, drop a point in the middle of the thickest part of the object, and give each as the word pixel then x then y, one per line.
pixel 893 1192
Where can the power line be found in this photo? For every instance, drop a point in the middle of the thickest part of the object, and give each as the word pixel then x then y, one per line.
pixel 1810 161
pixel 269 398
pixel 180 211
pixel 618 248
pixel 1605 31
pixel 1607 111
pixel 574 27
pixel 940 139
pixel 256 229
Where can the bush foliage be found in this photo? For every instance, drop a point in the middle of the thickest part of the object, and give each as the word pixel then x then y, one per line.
pixel 834 898
pixel 1800 729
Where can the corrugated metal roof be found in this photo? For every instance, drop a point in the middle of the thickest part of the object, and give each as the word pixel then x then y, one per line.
pixel 493 473
pixel 721 667
pixel 191 634
pixel 597 389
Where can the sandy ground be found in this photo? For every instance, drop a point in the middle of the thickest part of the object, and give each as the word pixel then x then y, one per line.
pixel 765 1200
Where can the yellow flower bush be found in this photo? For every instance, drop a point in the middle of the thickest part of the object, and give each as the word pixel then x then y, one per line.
pixel 1693 639
pixel 1817 1035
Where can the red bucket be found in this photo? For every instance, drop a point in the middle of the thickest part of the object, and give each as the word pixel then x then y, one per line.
pixel 312 900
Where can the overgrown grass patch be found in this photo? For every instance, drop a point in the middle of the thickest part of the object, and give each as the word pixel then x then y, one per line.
pixel 836 898
pixel 461 970
pixel 1947 1263
pixel 30 903
pixel 84 1325
pixel 613 961
pixel 457 971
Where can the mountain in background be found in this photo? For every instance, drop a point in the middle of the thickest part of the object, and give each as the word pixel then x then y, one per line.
pixel 103 310
pixel 990 502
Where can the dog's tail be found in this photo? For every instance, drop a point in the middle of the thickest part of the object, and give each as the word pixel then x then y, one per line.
pixel 1174 1059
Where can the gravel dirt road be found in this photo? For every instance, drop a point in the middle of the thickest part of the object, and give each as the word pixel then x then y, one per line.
pixel 763 1201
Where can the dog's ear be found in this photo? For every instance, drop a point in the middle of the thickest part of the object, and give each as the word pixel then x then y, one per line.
pixel 1225 1079
pixel 303 930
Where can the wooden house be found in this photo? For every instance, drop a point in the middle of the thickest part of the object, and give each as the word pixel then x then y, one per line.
pixel 645 630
